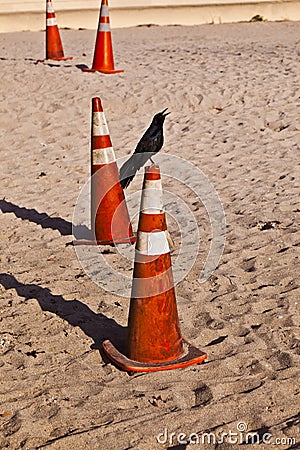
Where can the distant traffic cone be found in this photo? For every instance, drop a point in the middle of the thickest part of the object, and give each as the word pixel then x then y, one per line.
pixel 109 213
pixel 103 56
pixel 154 340
pixel 54 48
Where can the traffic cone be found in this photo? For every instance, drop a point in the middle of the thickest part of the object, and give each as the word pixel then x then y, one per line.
pixel 103 56
pixel 154 340
pixel 54 48
pixel 109 213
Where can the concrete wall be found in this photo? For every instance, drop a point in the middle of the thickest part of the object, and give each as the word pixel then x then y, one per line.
pixel 17 15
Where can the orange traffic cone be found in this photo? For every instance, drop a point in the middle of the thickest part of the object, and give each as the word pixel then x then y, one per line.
pixel 54 48
pixel 154 340
pixel 109 214
pixel 103 56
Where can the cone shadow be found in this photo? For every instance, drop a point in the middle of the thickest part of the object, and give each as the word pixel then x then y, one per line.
pixel 43 219
pixel 97 326
pixel 81 66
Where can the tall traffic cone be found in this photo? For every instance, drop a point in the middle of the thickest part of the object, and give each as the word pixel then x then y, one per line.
pixel 54 48
pixel 154 340
pixel 109 213
pixel 103 56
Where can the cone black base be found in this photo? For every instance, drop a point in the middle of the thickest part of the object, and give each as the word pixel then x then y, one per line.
pixel 191 355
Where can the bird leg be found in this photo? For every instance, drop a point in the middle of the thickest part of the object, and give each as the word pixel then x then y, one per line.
pixel 152 161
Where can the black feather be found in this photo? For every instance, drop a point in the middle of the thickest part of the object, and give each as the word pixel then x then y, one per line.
pixel 150 144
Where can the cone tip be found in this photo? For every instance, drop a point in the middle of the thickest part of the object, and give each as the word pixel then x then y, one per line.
pixel 152 172
pixel 97 106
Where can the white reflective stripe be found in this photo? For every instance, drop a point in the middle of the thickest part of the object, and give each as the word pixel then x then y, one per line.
pixel 152 197
pixel 49 8
pixel 104 27
pixel 154 243
pixel 100 127
pixel 51 22
pixel 103 155
pixel 104 11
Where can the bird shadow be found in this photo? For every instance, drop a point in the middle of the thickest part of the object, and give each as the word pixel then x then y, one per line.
pixel 97 326
pixel 44 220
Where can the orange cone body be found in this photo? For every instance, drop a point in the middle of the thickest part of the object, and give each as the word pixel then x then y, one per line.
pixel 103 55
pixel 54 49
pixel 154 340
pixel 109 214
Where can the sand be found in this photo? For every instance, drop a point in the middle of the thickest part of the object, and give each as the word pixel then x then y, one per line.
pixel 233 93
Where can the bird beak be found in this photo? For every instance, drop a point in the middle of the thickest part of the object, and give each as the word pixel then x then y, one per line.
pixel 165 114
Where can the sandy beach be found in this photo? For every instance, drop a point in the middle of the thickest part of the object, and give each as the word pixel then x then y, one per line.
pixel 233 93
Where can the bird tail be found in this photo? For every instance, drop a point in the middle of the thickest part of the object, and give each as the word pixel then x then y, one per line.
pixel 131 166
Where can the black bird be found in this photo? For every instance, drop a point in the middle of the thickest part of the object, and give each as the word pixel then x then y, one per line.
pixel 150 143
